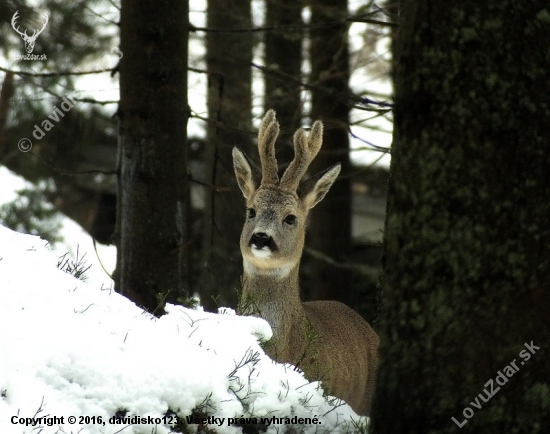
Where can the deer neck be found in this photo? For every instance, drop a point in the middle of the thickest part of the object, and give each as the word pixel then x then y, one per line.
pixel 275 297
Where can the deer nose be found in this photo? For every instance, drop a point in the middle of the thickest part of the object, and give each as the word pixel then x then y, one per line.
pixel 260 240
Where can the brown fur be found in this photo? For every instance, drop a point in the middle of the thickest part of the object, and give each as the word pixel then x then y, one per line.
pixel 326 339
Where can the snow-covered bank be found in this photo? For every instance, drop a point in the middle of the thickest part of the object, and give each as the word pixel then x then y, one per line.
pixel 69 348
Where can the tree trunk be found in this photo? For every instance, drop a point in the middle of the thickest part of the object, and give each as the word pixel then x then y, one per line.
pixel 6 95
pixel 283 58
pixel 153 120
pixel 466 285
pixel 330 228
pixel 228 62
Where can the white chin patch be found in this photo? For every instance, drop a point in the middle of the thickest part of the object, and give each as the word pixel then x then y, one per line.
pixel 264 252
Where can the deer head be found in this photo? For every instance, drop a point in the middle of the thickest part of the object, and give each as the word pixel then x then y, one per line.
pixel 272 239
pixel 29 40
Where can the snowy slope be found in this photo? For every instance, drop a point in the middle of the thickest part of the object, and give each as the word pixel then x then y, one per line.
pixel 75 239
pixel 69 348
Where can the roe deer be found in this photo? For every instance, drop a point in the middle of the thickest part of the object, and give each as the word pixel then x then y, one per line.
pixel 326 339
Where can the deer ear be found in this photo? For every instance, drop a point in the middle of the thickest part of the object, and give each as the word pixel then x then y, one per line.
pixel 313 190
pixel 247 174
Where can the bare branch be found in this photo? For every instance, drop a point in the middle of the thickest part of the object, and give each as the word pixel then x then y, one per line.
pixel 371 272
pixel 363 100
pixel 355 19
pixel 55 74
pixel 56 168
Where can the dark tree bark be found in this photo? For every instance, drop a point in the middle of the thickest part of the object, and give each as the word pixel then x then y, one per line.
pixel 6 95
pixel 283 57
pixel 228 62
pixel 330 227
pixel 152 151
pixel 466 281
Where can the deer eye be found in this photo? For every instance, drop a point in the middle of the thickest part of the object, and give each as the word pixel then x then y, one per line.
pixel 290 219
pixel 251 213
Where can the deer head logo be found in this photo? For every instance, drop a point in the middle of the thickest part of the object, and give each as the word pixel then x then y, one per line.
pixel 29 40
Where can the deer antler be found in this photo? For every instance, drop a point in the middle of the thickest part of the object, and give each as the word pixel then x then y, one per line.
pixel 267 135
pixel 35 34
pixel 13 23
pixel 29 40
pixel 305 150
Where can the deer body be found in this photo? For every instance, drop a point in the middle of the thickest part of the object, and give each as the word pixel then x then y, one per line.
pixel 326 339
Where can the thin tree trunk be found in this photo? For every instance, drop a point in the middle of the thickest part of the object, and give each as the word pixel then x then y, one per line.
pixel 228 62
pixel 153 116
pixel 5 98
pixel 466 286
pixel 283 56
pixel 330 228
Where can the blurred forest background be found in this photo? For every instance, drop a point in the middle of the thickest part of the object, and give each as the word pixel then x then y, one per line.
pixel 324 59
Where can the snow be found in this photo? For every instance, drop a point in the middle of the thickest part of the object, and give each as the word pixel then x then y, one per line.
pixel 74 348
pixel 76 240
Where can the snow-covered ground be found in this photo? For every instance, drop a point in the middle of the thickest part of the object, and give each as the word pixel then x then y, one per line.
pixel 76 240
pixel 70 348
